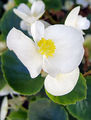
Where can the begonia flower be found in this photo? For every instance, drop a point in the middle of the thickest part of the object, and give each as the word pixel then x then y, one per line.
pixel 28 15
pixel 57 50
pixel 77 21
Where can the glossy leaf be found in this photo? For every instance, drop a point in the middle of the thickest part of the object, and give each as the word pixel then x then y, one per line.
pixel 82 110
pixel 78 94
pixel 18 76
pixel 44 109
pixel 8 21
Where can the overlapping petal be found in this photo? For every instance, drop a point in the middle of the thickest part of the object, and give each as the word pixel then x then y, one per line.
pixel 77 21
pixel 25 50
pixel 24 13
pixel 62 83
pixel 37 9
pixel 72 17
pixel 69 49
pixel 30 15
pixel 37 30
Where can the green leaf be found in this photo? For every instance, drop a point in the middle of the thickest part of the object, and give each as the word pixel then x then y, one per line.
pixel 44 109
pixel 8 21
pixel 53 4
pixel 17 115
pixel 82 110
pixel 2 80
pixel 20 1
pixel 78 94
pixel 18 76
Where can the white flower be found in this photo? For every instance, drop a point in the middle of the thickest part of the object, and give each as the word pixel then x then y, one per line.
pixel 28 15
pixel 77 21
pixel 10 4
pixel 4 109
pixel 57 49
pixel 84 3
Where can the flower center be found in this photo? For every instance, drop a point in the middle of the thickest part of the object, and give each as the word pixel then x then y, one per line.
pixel 46 47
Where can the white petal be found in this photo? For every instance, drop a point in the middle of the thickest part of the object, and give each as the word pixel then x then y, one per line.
pixel 37 30
pixel 24 25
pixel 72 17
pixel 7 90
pixel 62 84
pixel 4 109
pixel 23 8
pixel 29 30
pixel 83 23
pixel 46 24
pixel 24 13
pixel 25 50
pixel 69 49
pixel 38 9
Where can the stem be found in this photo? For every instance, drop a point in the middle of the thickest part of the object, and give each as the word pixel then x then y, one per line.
pixel 87 73
pixel 51 19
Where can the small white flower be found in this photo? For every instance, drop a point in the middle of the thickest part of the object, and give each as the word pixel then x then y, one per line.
pixel 77 21
pixel 57 49
pixel 84 3
pixel 10 4
pixel 4 109
pixel 28 15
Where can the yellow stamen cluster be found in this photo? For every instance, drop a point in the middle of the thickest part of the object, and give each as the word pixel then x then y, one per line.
pixel 47 47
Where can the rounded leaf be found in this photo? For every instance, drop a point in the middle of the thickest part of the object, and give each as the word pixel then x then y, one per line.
pixel 78 93
pixel 82 110
pixel 44 109
pixel 18 76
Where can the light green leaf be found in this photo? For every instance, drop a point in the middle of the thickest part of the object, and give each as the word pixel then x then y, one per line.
pixel 44 109
pixel 78 94
pixel 82 110
pixel 18 76
pixel 17 115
